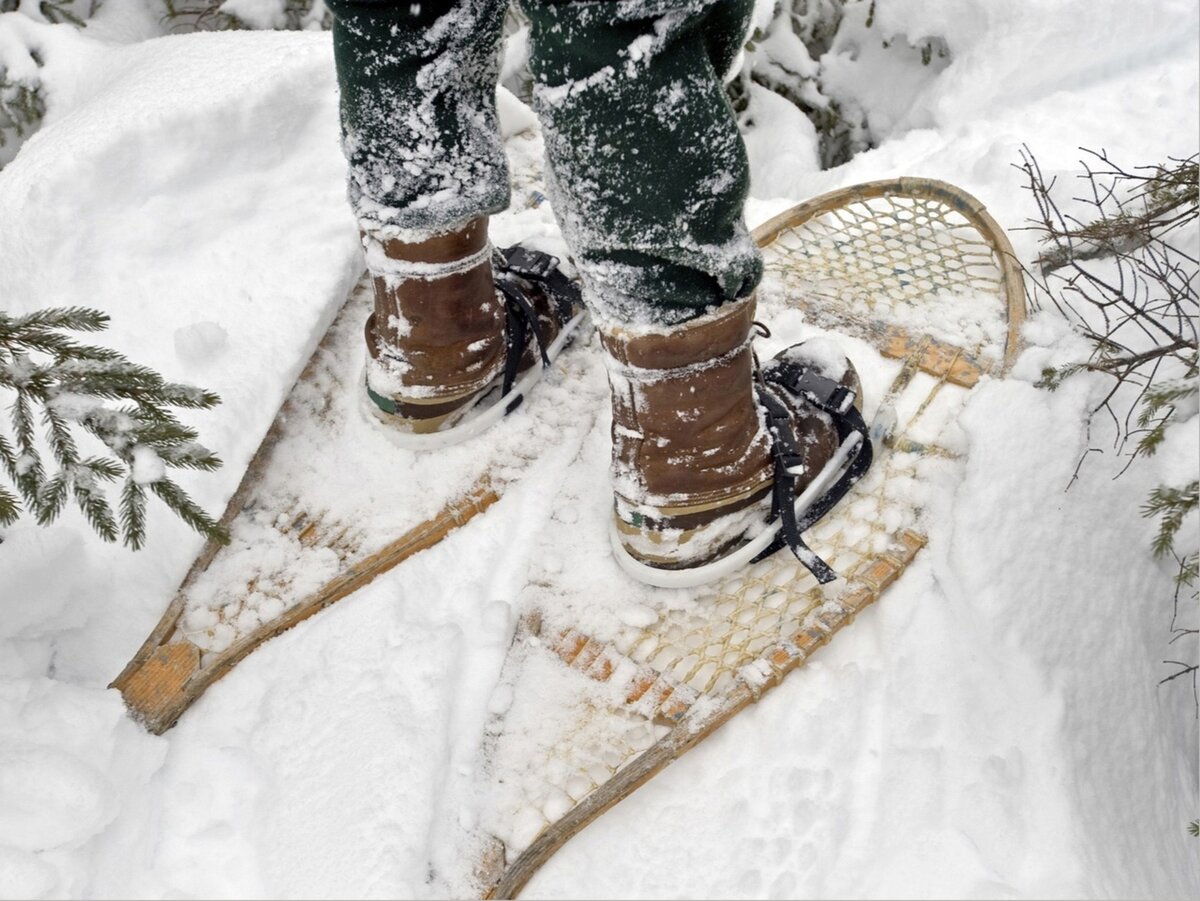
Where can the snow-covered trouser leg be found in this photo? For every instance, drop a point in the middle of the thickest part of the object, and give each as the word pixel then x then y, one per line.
pixel 648 175
pixel 418 107
pixel 648 172
pixel 459 332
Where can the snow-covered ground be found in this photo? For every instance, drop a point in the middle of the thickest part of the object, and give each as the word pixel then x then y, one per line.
pixel 995 727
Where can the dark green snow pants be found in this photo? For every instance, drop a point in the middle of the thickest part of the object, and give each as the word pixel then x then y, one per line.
pixel 647 170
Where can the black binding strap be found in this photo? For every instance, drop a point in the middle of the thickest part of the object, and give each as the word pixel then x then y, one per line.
pixel 517 269
pixel 837 402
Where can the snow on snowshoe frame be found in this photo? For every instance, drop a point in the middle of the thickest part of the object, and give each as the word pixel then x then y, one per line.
pixel 178 661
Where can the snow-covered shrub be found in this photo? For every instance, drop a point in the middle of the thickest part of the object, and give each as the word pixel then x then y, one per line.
pixel 265 15
pixel 83 391
pixel 1122 263
pixel 22 104
pixel 55 12
pixel 831 60
pixel 21 109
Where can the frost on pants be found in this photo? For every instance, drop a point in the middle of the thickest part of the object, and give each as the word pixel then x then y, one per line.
pixel 419 124
pixel 648 172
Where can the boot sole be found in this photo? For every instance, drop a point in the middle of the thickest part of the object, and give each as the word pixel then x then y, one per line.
pixel 695 576
pixel 474 420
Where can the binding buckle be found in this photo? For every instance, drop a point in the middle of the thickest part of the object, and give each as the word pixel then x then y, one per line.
pixel 823 393
pixel 837 401
pixel 528 264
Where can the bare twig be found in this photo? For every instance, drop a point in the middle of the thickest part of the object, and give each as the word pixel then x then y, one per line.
pixel 1123 278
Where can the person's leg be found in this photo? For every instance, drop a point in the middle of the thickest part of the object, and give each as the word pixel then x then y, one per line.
pixel 648 176
pixel 418 107
pixel 648 172
pixel 426 168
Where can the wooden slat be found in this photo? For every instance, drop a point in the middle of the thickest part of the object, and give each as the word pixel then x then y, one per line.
pixel 940 360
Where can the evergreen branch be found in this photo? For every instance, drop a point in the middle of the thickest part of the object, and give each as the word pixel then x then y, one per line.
pixel 94 352
pixel 62 444
pixel 76 385
pixel 52 498
pixel 163 432
pixel 72 319
pixel 102 468
pixel 29 471
pixel 21 106
pixel 187 510
pixel 37 382
pixel 23 423
pixel 1166 395
pixel 10 507
pixel 110 379
pixel 190 455
pixel 8 458
pixel 112 427
pixel 1189 570
pixel 39 331
pixel 80 477
pixel 1171 505
pixel 188 397
pixel 1160 403
pixel 58 13
pixel 133 514
pixel 96 510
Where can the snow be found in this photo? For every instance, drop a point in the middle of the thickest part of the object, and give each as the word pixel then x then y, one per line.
pixel 994 727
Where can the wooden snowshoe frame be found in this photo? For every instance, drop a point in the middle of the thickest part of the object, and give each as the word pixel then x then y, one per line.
pixel 169 672
pixel 956 247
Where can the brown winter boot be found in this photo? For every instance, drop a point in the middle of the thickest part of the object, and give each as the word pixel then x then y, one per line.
pixel 442 336
pixel 697 458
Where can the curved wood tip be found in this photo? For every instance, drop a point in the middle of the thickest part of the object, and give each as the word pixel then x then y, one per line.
pixel 156 692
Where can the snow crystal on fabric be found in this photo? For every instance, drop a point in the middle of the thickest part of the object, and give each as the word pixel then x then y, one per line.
pixel 419 124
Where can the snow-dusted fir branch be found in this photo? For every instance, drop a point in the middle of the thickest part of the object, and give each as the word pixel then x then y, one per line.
pixel 21 109
pixel 790 55
pixel 55 12
pixel 60 387
pixel 22 101
pixel 1172 507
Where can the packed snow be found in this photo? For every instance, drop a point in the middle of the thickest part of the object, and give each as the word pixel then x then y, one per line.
pixel 994 727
